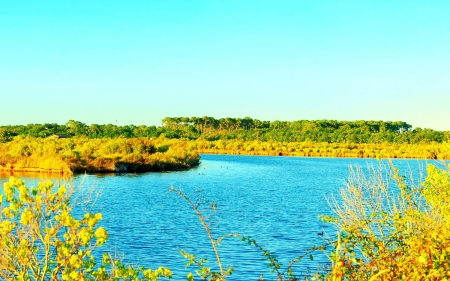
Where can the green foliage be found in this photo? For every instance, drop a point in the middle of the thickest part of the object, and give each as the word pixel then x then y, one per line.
pixel 247 129
pixel 4 135
pixel 330 131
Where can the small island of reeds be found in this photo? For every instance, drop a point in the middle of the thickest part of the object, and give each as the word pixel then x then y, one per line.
pixel 81 154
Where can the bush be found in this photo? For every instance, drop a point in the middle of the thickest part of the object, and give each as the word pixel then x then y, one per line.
pixel 41 240
pixel 390 229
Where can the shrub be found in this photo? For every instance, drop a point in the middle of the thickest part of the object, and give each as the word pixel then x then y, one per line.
pixel 41 240
pixel 390 229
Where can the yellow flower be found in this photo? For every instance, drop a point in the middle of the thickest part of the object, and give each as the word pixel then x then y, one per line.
pixel 75 261
pixel 84 236
pixel 26 217
pixel 105 259
pixel 38 201
pixel 9 191
pixel 16 181
pixel 422 259
pixel 98 216
pixel 167 272
pixel 23 193
pixel 65 218
pixel 101 270
pixel 65 276
pixel 7 212
pixel 64 250
pixel 62 190
pixel 74 275
pixel 93 220
pixel 13 207
pixel 6 227
pixel 20 277
pixel 45 187
pixel 51 231
pixel 148 273
pixel 101 235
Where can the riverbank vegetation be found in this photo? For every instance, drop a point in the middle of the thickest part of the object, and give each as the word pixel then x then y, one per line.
pixel 432 150
pixel 106 155
pixel 111 148
pixel 81 154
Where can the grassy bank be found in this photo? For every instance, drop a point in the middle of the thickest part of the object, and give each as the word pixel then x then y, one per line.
pixel 324 149
pixel 78 155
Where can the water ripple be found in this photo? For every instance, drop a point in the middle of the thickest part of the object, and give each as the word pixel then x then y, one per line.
pixel 276 200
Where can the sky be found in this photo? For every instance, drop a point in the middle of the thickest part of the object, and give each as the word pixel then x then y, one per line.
pixel 136 62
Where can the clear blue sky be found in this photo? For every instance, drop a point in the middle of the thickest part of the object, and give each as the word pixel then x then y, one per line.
pixel 139 61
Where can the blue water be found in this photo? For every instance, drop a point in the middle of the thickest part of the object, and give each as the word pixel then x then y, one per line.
pixel 276 200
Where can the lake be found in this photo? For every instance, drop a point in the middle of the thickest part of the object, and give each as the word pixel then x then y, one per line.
pixel 276 200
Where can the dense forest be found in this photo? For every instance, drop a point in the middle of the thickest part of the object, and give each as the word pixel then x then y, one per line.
pixel 245 129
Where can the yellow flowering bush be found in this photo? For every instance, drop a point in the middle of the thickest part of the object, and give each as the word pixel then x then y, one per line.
pixel 41 240
pixel 387 234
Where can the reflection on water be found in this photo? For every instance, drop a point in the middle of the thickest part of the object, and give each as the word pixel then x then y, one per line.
pixel 275 200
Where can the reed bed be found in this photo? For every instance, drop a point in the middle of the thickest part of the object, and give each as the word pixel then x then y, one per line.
pixel 78 155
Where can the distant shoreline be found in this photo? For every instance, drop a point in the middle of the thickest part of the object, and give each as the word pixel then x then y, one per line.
pixel 77 155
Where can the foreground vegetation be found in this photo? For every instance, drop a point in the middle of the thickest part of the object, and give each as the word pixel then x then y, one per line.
pixel 389 227
pixel 41 240
pixel 392 228
pixel 80 154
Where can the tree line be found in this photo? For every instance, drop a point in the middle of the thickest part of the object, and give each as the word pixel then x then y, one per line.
pixel 247 129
